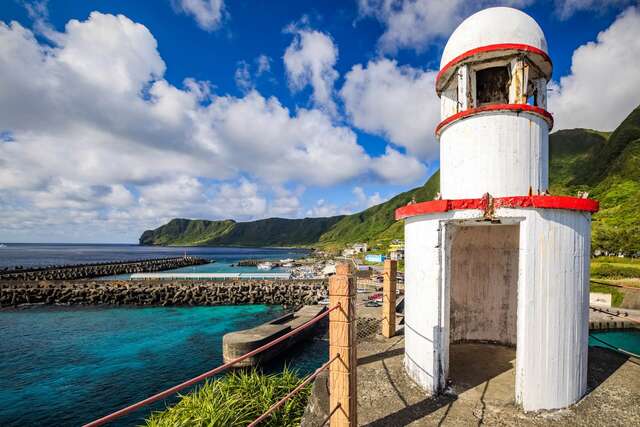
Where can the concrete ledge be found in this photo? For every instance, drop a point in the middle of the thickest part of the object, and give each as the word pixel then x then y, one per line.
pixel 235 344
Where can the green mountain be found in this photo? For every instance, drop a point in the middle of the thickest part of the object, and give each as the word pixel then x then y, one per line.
pixel 265 232
pixel 607 165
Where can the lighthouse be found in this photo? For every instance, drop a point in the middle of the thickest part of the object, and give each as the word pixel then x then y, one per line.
pixel 496 258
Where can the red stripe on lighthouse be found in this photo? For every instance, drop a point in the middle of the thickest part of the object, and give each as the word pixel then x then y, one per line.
pixel 517 108
pixel 537 202
pixel 494 48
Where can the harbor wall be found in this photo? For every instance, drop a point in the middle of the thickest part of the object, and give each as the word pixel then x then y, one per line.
pixel 161 293
pixel 88 271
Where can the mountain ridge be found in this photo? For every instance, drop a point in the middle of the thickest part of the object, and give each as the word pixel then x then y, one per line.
pixel 606 164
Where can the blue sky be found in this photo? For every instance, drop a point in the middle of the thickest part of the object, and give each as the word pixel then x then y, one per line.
pixel 116 116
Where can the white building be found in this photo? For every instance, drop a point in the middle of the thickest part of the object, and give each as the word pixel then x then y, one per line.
pixel 360 247
pixel 496 259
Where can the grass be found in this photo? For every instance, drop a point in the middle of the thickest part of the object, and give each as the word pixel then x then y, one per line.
pixel 237 399
pixel 612 270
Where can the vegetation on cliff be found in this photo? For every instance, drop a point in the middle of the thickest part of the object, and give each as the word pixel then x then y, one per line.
pixel 237 399
pixel 264 232
pixel 607 165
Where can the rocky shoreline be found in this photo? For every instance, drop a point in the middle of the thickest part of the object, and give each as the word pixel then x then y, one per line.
pixel 88 271
pixel 14 294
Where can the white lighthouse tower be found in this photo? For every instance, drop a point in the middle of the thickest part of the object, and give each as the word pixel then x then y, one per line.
pixel 496 259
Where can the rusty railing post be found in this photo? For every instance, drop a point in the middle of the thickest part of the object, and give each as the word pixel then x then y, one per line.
pixel 342 342
pixel 389 298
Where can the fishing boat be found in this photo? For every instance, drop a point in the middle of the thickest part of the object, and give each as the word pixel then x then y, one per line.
pixel 265 266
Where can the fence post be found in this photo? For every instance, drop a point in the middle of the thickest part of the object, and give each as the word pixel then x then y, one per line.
pixel 342 342
pixel 389 298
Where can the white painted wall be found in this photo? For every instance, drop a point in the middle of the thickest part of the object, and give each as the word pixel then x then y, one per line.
pixel 552 313
pixel 502 153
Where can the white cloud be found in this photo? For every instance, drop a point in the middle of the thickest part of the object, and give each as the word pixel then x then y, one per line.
pixel 207 13
pixel 114 143
pixel 323 208
pixel 264 64
pixel 567 8
pixel 364 201
pixel 397 168
pixel 310 60
pixel 602 87
pixel 414 24
pixel 396 102
pixel 243 78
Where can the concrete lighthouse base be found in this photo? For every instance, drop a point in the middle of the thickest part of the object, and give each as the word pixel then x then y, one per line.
pixel 520 278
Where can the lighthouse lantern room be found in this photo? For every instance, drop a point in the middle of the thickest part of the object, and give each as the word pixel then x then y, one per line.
pixel 496 259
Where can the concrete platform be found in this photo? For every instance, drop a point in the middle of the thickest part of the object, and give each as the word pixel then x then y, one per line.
pixel 236 344
pixel 481 390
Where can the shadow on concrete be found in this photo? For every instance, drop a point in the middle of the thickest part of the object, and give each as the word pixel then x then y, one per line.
pixel 602 364
pixel 380 356
pixel 469 365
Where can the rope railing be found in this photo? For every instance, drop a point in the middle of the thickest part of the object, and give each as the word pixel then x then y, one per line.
pixel 219 369
pixel 621 350
pixel 614 285
pixel 292 392
pixel 630 319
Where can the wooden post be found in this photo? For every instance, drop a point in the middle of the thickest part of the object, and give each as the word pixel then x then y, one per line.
pixel 389 298
pixel 342 342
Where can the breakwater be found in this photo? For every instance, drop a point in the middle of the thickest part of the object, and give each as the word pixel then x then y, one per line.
pixel 88 271
pixel 162 293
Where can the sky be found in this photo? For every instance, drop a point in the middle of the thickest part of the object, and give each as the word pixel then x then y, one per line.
pixel 116 116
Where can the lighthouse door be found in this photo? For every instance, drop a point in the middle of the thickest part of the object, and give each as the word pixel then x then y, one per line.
pixel 481 276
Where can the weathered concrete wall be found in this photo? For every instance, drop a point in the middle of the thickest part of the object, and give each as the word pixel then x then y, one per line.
pixel 162 293
pixel 88 271
pixel 484 283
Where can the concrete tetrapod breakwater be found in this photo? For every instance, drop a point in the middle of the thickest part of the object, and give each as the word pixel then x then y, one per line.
pixel 88 271
pixel 162 293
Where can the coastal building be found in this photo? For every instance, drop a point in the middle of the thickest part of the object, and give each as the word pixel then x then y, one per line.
pixel 374 258
pixel 360 248
pixel 396 255
pixel 495 258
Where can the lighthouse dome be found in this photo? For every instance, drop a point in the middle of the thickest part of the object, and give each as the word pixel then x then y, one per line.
pixel 494 26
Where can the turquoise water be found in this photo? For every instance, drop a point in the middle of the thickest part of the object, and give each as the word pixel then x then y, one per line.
pixel 628 339
pixel 69 366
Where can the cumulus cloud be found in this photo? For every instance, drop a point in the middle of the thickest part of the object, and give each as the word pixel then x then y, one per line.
pixel 414 24
pixel 365 201
pixel 207 13
pixel 397 168
pixel 567 8
pixel 310 60
pixel 396 102
pixel 89 118
pixel 263 63
pixel 602 87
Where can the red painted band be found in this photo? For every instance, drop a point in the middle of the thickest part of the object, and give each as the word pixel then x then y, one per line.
pixel 494 48
pixel 518 108
pixel 537 202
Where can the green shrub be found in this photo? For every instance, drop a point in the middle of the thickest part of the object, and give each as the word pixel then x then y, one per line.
pixel 614 271
pixel 237 399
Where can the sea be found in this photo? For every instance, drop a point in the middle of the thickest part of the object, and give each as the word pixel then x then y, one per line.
pixel 68 366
